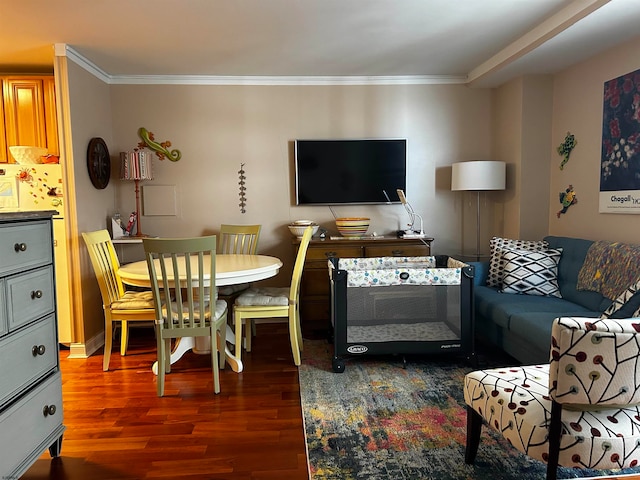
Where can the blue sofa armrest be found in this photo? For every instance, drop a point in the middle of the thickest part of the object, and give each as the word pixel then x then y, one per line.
pixel 481 272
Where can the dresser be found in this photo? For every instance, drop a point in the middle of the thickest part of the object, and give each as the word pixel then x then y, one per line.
pixel 315 314
pixel 30 380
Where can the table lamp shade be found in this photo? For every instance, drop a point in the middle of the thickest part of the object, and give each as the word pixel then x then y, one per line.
pixel 136 165
pixel 478 175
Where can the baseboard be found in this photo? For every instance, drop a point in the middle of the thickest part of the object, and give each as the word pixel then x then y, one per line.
pixel 85 350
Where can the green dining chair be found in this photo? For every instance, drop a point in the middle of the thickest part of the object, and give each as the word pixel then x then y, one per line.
pixel 182 308
pixel 119 305
pixel 272 302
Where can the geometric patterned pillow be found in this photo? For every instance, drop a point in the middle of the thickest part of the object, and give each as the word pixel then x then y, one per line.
pixel 531 272
pixel 496 263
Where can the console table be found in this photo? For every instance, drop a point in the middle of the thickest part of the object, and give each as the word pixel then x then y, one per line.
pixel 315 309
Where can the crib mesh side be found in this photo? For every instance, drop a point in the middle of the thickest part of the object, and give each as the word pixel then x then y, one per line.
pixel 403 313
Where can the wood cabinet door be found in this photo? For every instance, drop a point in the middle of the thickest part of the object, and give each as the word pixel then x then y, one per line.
pixel 24 114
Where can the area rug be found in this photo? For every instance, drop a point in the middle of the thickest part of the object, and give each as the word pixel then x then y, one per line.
pixel 387 417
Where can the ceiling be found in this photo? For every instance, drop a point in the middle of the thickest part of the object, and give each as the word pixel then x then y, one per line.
pixel 480 42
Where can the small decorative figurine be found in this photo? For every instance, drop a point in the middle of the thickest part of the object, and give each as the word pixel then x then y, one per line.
pixel 161 149
pixel 565 148
pixel 567 198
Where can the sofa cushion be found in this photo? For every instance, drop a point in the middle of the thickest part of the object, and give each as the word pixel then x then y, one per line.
pixel 499 307
pixel 496 263
pixel 574 251
pixel 536 326
pixel 531 272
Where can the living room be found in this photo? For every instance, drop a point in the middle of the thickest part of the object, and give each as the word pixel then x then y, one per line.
pixel 222 128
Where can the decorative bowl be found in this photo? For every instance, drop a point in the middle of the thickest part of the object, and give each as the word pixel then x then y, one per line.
pixel 298 230
pixel 353 226
pixel 25 155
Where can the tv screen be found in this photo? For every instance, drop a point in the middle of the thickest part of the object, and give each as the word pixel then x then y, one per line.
pixel 331 172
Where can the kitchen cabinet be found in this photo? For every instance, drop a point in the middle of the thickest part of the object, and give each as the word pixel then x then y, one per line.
pixel 30 380
pixel 29 113
pixel 315 311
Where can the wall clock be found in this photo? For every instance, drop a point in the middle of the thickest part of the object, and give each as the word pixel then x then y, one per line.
pixel 98 163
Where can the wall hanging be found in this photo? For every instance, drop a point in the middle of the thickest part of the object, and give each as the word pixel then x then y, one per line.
pixel 161 149
pixel 243 189
pixel 567 198
pixel 620 160
pixel 565 148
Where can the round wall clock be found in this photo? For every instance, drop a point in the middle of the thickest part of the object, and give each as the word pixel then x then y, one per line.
pixel 98 163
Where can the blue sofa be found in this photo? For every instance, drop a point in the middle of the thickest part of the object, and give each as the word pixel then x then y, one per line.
pixel 521 324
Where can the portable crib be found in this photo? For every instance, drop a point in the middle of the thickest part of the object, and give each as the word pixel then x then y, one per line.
pixel 401 305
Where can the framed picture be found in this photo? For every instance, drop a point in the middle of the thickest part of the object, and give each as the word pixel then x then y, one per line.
pixel 8 192
pixel 620 157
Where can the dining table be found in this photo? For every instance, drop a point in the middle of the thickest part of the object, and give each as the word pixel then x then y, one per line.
pixel 231 269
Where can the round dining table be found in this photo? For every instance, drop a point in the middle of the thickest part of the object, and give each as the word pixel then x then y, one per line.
pixel 231 269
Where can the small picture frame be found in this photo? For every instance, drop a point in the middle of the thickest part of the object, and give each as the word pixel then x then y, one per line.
pixel 8 192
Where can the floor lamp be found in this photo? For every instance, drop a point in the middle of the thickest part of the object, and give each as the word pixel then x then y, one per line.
pixel 476 176
pixel 136 166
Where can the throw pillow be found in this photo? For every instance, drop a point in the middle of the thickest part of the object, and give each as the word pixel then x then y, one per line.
pixel 531 272
pixel 496 263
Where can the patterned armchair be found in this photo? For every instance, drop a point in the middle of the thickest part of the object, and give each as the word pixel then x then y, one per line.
pixel 580 411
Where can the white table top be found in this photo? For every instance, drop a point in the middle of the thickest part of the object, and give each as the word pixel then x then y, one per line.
pixel 230 270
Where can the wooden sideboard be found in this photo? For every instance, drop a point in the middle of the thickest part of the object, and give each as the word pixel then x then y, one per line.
pixel 315 311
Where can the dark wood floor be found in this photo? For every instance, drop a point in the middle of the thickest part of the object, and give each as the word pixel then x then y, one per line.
pixel 117 428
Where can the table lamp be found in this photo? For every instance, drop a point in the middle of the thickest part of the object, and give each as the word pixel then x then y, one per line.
pixel 136 166
pixel 476 176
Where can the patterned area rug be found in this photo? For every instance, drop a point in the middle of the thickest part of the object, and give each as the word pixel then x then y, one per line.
pixel 380 420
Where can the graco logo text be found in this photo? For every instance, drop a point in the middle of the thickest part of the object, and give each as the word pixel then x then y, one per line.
pixel 357 349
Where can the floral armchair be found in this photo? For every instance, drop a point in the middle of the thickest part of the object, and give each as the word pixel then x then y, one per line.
pixel 579 411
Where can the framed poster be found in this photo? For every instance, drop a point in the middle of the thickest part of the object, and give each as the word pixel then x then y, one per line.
pixel 8 192
pixel 620 157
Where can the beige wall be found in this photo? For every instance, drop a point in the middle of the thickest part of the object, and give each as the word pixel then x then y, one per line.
pixel 577 108
pixel 522 139
pixel 90 116
pixel 219 127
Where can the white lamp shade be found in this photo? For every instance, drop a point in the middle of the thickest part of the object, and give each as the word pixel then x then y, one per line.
pixel 478 175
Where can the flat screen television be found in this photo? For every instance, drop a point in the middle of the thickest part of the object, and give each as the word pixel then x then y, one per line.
pixel 358 171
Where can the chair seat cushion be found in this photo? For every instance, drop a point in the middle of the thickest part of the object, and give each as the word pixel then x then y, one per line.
pixel 515 402
pixel 134 301
pixel 221 308
pixel 264 296
pixel 232 289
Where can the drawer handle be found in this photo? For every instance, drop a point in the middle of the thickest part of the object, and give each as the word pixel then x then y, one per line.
pixel 49 410
pixel 397 253
pixel 36 294
pixel 20 247
pixel 330 254
pixel 38 350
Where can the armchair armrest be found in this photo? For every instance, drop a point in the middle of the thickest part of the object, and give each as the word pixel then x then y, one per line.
pixel 594 361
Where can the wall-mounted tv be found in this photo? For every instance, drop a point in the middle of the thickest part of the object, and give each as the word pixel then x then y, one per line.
pixel 355 171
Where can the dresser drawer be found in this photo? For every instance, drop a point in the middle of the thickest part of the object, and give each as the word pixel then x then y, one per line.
pixel 27 356
pixel 24 425
pixel 333 251
pixel 4 324
pixel 29 296
pixel 24 246
pixel 397 250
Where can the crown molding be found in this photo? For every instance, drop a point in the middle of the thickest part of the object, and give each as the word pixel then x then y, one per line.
pixel 64 50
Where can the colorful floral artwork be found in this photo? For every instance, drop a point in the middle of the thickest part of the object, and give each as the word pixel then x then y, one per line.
pixel 620 159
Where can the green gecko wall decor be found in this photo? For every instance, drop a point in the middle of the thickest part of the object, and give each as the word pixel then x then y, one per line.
pixel 566 147
pixel 161 149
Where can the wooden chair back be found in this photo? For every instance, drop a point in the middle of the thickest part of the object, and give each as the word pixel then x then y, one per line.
pixel 239 239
